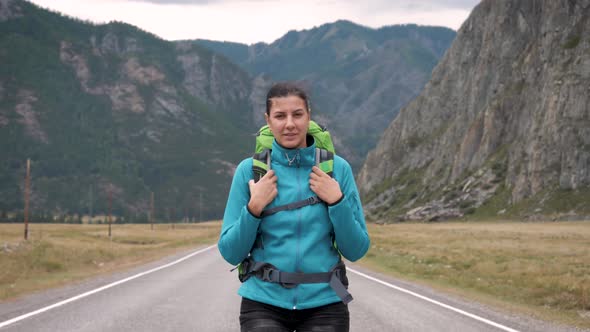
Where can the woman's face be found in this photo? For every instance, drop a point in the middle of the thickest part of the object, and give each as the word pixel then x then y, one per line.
pixel 288 121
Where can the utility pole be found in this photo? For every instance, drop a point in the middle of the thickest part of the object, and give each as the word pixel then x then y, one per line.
pixel 110 208
pixel 173 217
pixel 152 211
pixel 90 204
pixel 27 189
pixel 200 206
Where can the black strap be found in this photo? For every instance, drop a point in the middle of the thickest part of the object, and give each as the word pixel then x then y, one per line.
pixel 294 278
pixel 291 206
pixel 336 277
pixel 264 157
pixel 326 155
pixel 339 288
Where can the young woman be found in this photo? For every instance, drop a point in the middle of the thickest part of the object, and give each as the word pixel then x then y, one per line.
pixel 297 280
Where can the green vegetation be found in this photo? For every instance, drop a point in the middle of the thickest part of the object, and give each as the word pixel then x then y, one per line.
pixel 236 52
pixel 554 203
pixel 80 144
pixel 550 204
pixel 538 268
pixel 408 186
pixel 60 254
pixel 572 42
pixel 519 87
pixel 316 56
pixel 491 208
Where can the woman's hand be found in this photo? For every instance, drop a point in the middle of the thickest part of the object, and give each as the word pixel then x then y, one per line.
pixel 323 185
pixel 262 192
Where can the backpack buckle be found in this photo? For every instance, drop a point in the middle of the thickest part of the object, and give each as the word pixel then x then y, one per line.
pixel 267 274
pixel 313 200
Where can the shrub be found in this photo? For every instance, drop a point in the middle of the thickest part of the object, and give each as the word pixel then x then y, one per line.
pixel 572 42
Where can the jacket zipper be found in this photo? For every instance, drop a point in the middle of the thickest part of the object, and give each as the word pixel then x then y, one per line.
pixel 297 254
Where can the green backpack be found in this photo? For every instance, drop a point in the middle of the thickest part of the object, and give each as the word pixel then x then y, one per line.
pixel 324 160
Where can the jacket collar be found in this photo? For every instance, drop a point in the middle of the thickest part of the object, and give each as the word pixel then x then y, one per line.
pixel 294 157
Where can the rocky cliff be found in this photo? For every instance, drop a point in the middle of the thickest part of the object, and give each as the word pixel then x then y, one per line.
pixel 501 128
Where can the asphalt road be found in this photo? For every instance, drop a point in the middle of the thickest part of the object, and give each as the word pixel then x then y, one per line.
pixel 199 294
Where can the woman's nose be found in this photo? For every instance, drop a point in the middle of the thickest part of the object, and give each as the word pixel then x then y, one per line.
pixel 290 122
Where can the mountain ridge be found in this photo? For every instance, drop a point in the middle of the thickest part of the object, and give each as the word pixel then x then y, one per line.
pixel 112 108
pixel 501 129
pixel 357 77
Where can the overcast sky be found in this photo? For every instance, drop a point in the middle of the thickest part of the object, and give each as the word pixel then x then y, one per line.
pixel 251 21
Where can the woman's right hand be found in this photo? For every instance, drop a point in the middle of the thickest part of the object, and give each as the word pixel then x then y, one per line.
pixel 262 192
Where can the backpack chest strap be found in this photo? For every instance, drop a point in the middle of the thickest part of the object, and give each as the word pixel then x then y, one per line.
pixel 291 206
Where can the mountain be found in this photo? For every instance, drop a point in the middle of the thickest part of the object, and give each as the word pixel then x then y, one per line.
pixel 111 108
pixel 358 77
pixel 501 129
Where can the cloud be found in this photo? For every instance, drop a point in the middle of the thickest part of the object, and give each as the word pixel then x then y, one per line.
pixel 251 21
pixel 449 4
pixel 409 5
pixel 192 2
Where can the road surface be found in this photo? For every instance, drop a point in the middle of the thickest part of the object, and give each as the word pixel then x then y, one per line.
pixel 198 293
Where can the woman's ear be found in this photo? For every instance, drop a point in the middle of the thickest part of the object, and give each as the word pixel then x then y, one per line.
pixel 266 118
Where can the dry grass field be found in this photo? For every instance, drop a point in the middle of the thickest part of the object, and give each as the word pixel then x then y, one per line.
pixel 58 254
pixel 538 268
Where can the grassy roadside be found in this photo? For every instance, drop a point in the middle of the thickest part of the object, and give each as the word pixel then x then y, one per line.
pixel 59 254
pixel 535 268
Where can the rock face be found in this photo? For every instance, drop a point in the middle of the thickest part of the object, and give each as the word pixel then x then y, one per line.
pixel 507 109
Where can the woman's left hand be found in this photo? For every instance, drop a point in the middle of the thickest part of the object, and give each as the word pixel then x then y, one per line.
pixel 323 185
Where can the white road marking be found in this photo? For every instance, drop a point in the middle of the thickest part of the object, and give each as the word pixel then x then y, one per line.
pixel 100 289
pixel 403 290
pixel 77 297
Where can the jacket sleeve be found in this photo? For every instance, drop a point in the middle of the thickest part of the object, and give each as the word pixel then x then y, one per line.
pixel 239 228
pixel 347 216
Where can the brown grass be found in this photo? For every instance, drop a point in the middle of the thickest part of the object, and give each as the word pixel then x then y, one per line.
pixel 539 268
pixel 57 254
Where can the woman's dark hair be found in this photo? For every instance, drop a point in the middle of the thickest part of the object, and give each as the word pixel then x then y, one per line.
pixel 285 89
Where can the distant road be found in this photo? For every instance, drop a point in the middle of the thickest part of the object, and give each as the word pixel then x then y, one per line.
pixel 198 293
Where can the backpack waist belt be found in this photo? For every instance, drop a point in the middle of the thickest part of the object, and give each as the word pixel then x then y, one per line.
pixel 336 277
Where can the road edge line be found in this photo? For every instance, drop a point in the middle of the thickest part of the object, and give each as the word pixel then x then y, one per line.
pixel 422 297
pixel 100 289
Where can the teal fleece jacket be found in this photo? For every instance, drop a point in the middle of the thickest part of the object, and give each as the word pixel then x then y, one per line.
pixel 297 240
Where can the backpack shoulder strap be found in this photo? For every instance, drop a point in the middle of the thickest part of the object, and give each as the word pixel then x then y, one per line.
pixel 261 164
pixel 324 159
